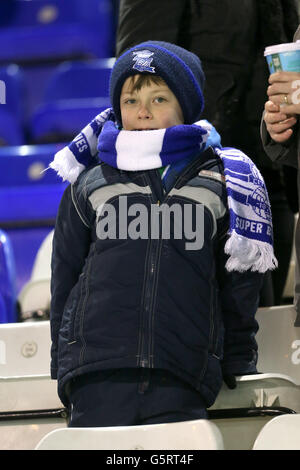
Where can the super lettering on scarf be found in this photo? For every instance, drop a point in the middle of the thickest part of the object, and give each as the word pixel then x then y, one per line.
pixel 250 241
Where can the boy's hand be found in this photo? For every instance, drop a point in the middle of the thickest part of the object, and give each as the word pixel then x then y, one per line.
pixel 230 381
pixel 283 107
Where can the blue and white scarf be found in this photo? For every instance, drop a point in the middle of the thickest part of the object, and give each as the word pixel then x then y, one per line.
pixel 250 241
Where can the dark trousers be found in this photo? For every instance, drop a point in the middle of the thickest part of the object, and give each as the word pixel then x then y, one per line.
pixel 124 397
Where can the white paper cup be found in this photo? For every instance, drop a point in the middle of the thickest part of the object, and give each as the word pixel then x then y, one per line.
pixel 283 57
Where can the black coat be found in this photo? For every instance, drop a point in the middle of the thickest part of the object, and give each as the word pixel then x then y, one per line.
pixel 149 302
pixel 229 36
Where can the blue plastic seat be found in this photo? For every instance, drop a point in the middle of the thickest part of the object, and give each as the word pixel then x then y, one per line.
pixel 8 311
pixel 63 120
pixel 28 193
pixel 75 94
pixel 11 132
pixel 3 312
pixel 49 29
pixel 12 93
pixel 13 87
pixel 29 201
pixel 79 80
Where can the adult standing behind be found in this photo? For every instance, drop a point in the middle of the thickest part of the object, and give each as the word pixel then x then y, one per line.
pixel 229 36
pixel 281 138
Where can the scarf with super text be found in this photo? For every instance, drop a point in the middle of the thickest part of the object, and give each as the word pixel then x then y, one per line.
pixel 250 240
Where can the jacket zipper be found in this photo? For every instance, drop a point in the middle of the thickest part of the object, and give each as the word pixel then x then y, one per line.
pixel 145 353
pixel 148 302
pixel 213 334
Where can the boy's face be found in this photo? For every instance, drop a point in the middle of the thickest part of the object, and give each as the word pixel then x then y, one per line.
pixel 153 106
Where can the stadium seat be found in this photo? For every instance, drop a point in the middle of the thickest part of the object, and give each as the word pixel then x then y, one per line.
pixel 11 132
pixel 29 201
pixel 35 295
pixel 24 430
pixel 63 120
pixel 12 94
pixel 28 393
pixel 27 192
pixel 75 94
pixel 29 405
pixel 25 349
pixel 12 89
pixel 42 265
pixel 278 341
pixel 34 300
pixel 241 413
pixel 30 237
pixel 8 311
pixel 3 312
pixel 52 29
pixel 196 435
pixel 259 390
pixel 79 80
pixel 281 433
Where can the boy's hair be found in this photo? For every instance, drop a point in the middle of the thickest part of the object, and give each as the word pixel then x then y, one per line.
pixel 180 69
pixel 144 80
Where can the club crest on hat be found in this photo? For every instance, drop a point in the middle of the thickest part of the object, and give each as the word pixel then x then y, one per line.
pixel 142 61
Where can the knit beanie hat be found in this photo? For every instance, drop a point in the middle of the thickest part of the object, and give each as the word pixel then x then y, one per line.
pixel 179 68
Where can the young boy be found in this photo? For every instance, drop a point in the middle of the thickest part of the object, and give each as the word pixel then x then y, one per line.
pixel 146 319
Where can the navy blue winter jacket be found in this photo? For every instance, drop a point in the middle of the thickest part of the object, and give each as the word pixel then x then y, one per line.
pixel 149 302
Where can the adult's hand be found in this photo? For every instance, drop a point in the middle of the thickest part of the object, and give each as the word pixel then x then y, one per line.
pixel 283 107
pixel 279 125
pixel 284 90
